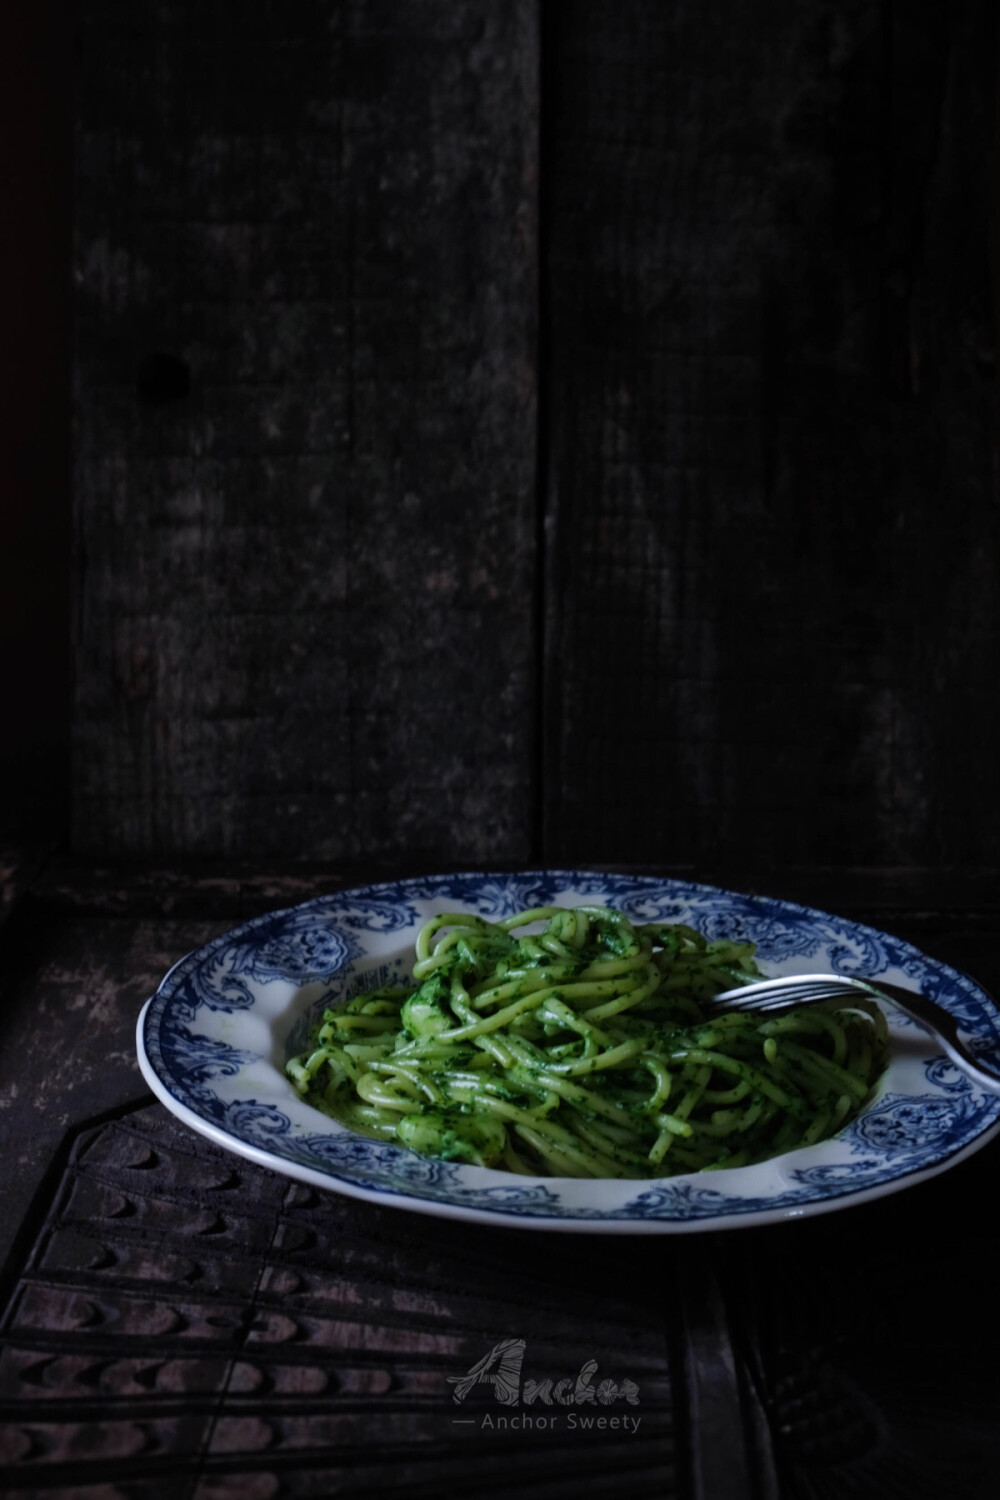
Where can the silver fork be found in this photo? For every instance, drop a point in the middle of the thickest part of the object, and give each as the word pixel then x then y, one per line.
pixel 775 997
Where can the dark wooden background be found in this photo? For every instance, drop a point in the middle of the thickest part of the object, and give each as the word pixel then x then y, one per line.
pixel 503 430
pixel 456 431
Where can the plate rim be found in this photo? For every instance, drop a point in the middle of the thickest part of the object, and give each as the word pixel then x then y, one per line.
pixel 499 1215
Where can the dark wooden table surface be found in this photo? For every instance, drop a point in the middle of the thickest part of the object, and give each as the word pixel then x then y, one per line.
pixel 178 1322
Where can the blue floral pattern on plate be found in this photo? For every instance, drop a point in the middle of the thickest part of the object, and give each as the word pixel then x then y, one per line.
pixel 213 1040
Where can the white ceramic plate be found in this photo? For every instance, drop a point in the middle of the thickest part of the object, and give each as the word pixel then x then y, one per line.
pixel 213 1041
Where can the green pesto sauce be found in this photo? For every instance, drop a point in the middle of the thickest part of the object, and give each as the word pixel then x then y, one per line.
pixel 405 1055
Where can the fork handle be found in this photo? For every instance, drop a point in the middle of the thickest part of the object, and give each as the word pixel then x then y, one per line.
pixel 943 1025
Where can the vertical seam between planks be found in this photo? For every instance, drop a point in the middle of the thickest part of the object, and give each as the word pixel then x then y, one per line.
pixel 544 478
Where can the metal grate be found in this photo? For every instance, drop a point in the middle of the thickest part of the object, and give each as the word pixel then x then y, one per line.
pixel 187 1324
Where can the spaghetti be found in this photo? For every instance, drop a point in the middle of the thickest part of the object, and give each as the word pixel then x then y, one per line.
pixel 580 1049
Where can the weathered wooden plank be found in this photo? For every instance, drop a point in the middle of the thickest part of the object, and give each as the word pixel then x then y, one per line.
pixel 71 995
pixel 918 904
pixel 306 264
pixel 35 316
pixel 774 586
